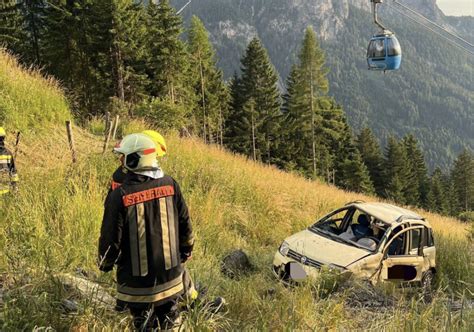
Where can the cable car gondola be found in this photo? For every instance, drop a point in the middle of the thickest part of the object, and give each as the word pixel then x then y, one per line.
pixel 384 51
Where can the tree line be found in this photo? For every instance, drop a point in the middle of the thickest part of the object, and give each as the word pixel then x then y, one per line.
pixel 133 59
pixel 124 57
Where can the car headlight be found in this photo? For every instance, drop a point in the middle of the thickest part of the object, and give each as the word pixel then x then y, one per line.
pixel 336 268
pixel 284 248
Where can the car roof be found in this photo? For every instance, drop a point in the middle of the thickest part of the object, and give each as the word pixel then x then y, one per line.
pixel 387 213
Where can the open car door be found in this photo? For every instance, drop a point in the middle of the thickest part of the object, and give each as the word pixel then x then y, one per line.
pixel 404 266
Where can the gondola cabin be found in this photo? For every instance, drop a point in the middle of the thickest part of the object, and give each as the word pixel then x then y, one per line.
pixel 384 52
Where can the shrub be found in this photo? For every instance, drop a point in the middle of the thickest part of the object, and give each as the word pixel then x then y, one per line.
pixel 163 113
pixel 467 216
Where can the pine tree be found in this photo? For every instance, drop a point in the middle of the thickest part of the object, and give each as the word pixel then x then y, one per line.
pixel 308 85
pixel 127 50
pixel 168 64
pixel 251 118
pixel 416 189
pixel 75 34
pixel 355 175
pixel 314 84
pixel 462 176
pixel 208 85
pixel 336 143
pixel 11 26
pixel 33 18
pixel 451 203
pixel 436 198
pixel 372 157
pixel 258 86
pixel 232 121
pixel 290 133
pixel 21 28
pixel 395 166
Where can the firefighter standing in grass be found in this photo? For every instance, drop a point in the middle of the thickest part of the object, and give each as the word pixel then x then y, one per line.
pixel 146 231
pixel 8 175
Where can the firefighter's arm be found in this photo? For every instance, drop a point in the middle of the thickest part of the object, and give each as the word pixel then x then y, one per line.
pixel 111 232
pixel 186 237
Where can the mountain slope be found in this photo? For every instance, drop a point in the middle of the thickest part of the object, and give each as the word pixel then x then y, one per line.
pixel 430 96
pixel 52 225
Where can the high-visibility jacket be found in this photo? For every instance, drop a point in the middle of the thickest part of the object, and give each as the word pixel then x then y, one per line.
pixel 146 230
pixel 8 174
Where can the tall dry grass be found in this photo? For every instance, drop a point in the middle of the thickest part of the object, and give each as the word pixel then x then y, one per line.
pixel 53 224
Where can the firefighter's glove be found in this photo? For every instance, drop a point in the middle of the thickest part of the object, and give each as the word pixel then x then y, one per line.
pixel 185 256
pixel 106 268
pixel 103 266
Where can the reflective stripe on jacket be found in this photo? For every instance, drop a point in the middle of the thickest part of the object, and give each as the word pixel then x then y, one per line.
pixel 146 229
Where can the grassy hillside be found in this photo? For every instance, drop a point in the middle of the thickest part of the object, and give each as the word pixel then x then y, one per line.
pixel 27 100
pixel 52 227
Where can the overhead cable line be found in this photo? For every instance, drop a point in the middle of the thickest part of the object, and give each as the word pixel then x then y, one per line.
pixel 182 8
pixel 433 30
pixel 432 22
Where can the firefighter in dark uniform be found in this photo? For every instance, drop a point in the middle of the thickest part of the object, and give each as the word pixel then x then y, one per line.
pixel 8 174
pixel 146 231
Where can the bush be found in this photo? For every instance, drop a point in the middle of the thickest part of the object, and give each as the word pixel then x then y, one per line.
pixel 130 126
pixel 467 216
pixel 96 126
pixel 118 107
pixel 163 113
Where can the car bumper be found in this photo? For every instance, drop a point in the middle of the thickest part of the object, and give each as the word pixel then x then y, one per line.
pixel 281 267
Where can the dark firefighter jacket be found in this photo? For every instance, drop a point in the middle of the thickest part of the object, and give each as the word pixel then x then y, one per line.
pixel 8 175
pixel 118 177
pixel 146 231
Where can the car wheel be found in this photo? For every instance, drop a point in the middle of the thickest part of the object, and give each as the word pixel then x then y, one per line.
pixel 427 286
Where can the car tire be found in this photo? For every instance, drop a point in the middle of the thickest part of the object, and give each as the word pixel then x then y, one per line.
pixel 427 286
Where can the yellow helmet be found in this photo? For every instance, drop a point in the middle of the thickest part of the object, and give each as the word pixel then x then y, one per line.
pixel 159 141
pixel 3 133
pixel 139 152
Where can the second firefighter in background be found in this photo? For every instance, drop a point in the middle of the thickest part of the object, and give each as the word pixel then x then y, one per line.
pixel 8 173
pixel 146 231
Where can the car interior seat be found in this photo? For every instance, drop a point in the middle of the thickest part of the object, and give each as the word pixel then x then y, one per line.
pixel 362 228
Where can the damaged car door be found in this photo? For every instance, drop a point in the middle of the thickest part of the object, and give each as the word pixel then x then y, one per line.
pixel 403 256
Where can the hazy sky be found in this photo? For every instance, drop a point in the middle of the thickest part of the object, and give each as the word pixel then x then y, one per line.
pixel 456 7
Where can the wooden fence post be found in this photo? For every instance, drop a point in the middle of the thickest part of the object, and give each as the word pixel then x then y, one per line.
pixel 70 138
pixel 115 127
pixel 107 137
pixel 17 144
pixel 107 121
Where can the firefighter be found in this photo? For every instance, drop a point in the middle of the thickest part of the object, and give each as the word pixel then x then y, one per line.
pixel 8 174
pixel 146 231
pixel 119 175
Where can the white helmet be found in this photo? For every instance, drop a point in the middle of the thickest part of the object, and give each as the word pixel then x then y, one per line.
pixel 139 152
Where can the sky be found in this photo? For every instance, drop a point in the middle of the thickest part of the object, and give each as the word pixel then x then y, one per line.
pixel 456 7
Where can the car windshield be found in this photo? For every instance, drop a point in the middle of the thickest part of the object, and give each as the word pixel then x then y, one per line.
pixel 321 231
pixel 353 227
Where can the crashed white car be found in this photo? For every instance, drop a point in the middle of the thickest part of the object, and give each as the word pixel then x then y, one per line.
pixel 373 241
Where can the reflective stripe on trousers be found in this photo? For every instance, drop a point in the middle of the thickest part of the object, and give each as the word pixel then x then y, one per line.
pixel 150 294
